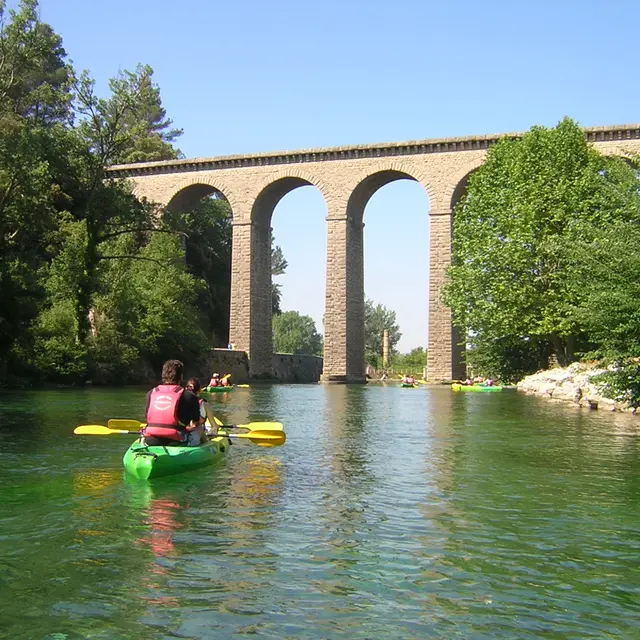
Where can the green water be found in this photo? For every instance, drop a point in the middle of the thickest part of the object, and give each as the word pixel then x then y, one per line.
pixel 389 513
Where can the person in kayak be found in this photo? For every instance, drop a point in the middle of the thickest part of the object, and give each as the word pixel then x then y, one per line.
pixel 173 413
pixel 224 382
pixel 215 380
pixel 193 385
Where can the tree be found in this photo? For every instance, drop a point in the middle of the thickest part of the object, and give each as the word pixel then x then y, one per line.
pixel 377 318
pixel 413 362
pixel 606 279
pixel 146 120
pixel 35 97
pixel 295 333
pixel 278 267
pixel 513 231
pixel 207 231
pixel 109 131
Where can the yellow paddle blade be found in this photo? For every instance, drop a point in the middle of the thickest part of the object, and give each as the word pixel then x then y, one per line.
pixel 242 386
pixel 227 376
pixel 262 426
pixel 253 426
pixel 98 430
pixel 262 438
pixel 117 423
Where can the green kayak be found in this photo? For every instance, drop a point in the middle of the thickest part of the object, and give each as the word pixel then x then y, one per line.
pixel 144 462
pixel 474 387
pixel 408 386
pixel 209 390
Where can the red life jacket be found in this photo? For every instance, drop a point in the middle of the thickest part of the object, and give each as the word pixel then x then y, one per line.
pixel 162 414
pixel 214 382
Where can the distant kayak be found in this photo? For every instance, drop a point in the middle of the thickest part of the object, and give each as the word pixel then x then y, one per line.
pixel 408 386
pixel 474 387
pixel 207 391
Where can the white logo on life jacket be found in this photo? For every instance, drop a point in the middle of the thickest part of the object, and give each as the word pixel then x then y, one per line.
pixel 162 403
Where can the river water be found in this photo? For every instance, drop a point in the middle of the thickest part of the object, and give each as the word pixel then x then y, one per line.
pixel 389 513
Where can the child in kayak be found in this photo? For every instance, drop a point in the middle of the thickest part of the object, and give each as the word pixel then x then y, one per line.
pixel 193 385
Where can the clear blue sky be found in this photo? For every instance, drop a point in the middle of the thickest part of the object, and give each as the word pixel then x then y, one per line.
pixel 255 75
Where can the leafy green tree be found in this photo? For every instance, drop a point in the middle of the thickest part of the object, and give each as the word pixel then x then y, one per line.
pixel 295 333
pixel 605 278
pixel 145 119
pixel 413 362
pixel 207 241
pixel 606 281
pixel 525 208
pixel 278 267
pixel 35 97
pixel 508 358
pixel 377 318
pixel 109 130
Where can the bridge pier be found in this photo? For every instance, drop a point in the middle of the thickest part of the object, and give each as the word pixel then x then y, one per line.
pixel 445 359
pixel 344 304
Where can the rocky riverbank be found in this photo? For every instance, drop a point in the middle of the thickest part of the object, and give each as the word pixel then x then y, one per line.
pixel 571 385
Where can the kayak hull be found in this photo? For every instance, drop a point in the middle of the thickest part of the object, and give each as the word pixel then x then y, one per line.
pixel 474 387
pixel 217 389
pixel 146 462
pixel 408 386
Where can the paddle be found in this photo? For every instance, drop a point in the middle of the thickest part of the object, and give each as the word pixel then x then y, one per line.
pixel 117 423
pixel 261 438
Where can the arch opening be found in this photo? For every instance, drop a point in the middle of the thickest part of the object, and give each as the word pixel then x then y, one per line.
pixel 395 269
pixel 298 286
pixel 270 196
pixel 299 229
pixel 187 197
pixel 204 215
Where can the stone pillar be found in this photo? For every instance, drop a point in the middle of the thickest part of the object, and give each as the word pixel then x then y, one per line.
pixel 385 348
pixel 344 306
pixel 444 356
pixel 250 323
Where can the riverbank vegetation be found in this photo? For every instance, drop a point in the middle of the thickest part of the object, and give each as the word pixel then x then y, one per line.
pixel 545 263
pixel 95 284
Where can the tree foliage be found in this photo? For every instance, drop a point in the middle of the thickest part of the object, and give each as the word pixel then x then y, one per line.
pixel 207 240
pixel 525 209
pixel 412 363
pixel 94 283
pixel 278 266
pixel 296 333
pixel 377 318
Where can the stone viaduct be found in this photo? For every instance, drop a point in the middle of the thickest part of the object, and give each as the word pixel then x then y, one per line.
pixel 347 177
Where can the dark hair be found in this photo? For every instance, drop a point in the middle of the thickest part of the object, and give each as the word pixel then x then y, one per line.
pixel 172 372
pixel 193 384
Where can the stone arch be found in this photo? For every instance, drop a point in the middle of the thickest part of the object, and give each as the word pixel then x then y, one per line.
pixel 370 181
pixel 190 190
pixel 277 188
pixel 459 181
